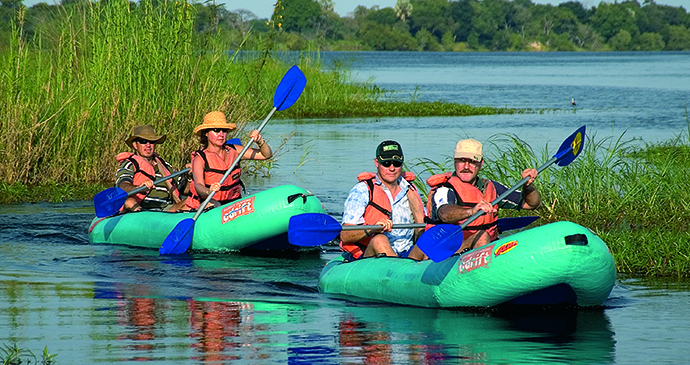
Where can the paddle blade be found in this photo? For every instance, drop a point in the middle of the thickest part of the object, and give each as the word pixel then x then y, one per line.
pixel 179 240
pixel 507 224
pixel 571 147
pixel 289 89
pixel 109 201
pixel 312 229
pixel 441 241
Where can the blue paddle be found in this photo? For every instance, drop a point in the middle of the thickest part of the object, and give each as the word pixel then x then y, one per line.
pixel 440 241
pixel 288 91
pixel 109 201
pixel 314 229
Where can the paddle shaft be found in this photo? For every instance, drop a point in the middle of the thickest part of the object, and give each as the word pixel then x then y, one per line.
pixel 524 180
pixel 234 163
pixel 379 227
pixel 144 187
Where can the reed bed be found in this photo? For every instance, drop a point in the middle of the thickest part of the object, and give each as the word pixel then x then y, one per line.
pixel 70 94
pixel 634 197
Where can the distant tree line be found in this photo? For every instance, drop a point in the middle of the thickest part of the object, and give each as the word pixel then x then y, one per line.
pixel 423 25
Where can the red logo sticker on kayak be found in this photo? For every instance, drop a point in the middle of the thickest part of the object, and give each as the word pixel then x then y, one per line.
pixel 237 209
pixel 505 248
pixel 475 259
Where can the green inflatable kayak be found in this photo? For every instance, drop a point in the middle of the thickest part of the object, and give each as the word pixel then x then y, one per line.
pixel 258 221
pixel 558 263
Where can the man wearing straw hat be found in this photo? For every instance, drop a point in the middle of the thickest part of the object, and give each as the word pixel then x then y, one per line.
pixel 456 196
pixel 141 168
pixel 210 163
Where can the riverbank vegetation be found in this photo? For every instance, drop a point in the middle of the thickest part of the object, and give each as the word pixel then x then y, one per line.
pixel 14 355
pixel 74 81
pixel 427 25
pixel 634 197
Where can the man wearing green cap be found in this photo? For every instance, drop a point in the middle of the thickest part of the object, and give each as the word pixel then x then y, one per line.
pixel 456 196
pixel 383 198
pixel 141 168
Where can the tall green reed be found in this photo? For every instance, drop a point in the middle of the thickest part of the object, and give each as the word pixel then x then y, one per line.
pixel 70 95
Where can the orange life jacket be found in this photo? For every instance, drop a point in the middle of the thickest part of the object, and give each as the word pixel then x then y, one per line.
pixel 469 195
pixel 214 169
pixel 143 171
pixel 378 208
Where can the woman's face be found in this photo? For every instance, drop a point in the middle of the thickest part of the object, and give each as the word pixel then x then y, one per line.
pixel 216 136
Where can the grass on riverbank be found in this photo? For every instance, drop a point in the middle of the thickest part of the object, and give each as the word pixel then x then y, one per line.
pixel 634 198
pixel 65 111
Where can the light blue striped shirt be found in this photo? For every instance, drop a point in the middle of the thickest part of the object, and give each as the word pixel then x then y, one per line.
pixel 401 240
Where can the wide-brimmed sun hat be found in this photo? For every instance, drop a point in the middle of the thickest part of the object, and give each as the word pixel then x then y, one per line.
pixel 144 132
pixel 212 120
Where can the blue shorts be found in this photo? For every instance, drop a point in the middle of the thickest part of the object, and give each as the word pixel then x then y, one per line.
pixel 405 253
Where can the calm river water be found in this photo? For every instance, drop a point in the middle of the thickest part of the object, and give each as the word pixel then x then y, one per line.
pixel 104 304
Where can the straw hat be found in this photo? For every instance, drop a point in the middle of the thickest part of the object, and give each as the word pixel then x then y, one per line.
pixel 214 120
pixel 146 132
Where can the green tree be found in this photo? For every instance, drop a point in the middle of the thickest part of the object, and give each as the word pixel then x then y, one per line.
pixel 677 38
pixel 620 41
pixel 385 16
pixel 609 19
pixel 583 15
pixel 11 4
pixel 300 15
pixel 427 41
pixel 403 9
pixel 386 38
pixel 587 38
pixel 501 40
pixel 448 41
pixel 488 18
pixel 650 42
pixel 462 12
pixel 561 42
pixel 432 15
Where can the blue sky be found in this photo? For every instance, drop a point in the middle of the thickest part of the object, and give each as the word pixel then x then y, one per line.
pixel 264 8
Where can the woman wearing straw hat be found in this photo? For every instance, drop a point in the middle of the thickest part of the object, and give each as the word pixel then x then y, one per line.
pixel 141 168
pixel 210 163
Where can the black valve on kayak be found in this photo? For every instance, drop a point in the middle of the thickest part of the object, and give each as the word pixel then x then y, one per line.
pixel 576 239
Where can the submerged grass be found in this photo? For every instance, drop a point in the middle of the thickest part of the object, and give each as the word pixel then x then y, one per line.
pixel 635 198
pixel 65 109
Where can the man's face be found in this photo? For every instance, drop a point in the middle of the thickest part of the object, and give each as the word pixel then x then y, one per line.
pixel 388 174
pixel 144 147
pixel 467 169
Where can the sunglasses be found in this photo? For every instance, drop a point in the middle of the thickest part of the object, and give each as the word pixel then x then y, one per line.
pixel 389 163
pixel 143 141
pixel 218 130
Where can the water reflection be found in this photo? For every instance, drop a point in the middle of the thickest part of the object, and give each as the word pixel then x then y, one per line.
pixel 220 331
pixel 411 335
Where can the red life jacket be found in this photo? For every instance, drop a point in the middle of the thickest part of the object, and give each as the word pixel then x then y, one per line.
pixel 469 195
pixel 378 208
pixel 143 171
pixel 214 169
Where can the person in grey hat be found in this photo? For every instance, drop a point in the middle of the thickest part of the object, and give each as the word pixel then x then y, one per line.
pixel 141 168
pixel 383 198
pixel 455 196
